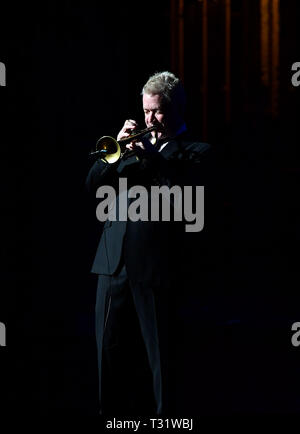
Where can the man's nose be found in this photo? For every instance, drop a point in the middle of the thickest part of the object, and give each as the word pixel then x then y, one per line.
pixel 152 117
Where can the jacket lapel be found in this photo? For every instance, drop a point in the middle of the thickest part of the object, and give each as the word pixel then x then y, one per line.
pixel 174 146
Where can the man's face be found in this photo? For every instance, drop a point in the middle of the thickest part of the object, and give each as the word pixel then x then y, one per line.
pixel 160 115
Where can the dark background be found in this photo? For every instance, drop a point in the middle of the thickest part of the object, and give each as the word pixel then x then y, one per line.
pixel 74 73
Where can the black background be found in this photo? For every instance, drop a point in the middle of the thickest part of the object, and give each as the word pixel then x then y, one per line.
pixel 74 73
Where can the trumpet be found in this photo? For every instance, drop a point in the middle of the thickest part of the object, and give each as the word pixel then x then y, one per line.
pixel 111 150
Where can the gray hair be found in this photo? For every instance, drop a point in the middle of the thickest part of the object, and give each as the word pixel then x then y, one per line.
pixel 168 86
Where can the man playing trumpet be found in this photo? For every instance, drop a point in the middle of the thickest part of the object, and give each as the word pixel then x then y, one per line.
pixel 140 264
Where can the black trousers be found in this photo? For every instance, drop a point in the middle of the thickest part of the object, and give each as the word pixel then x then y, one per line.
pixel 135 349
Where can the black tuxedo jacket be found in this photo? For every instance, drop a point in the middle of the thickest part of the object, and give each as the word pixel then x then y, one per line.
pixel 152 251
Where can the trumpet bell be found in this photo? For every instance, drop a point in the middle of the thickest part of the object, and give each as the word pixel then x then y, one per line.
pixel 109 148
pixel 110 151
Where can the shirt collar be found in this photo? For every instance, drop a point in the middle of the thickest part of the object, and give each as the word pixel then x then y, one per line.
pixel 180 130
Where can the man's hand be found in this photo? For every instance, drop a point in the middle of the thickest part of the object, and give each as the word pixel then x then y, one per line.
pixel 143 143
pixel 128 128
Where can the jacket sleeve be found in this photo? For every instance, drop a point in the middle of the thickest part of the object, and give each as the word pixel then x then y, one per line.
pixel 99 174
pixel 146 168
